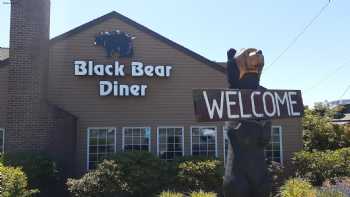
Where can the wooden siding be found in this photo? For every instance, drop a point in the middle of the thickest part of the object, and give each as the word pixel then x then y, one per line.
pixel 168 101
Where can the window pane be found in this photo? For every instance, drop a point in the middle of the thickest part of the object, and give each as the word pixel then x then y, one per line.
pixel 203 141
pixel 273 150
pixel 170 143
pixel 137 139
pixel 101 143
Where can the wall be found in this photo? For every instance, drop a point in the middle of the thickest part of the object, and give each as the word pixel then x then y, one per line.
pixel 168 101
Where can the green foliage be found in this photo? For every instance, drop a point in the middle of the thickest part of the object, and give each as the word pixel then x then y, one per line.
pixel 106 181
pixel 41 171
pixel 318 131
pixel 200 174
pixel 319 166
pixel 297 187
pixel 202 194
pixel 329 193
pixel 170 194
pixel 14 183
pixel 143 172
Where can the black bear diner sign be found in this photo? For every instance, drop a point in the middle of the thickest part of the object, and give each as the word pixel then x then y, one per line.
pixel 212 105
pixel 114 88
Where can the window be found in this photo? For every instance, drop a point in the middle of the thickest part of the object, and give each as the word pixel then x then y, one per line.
pixel 2 140
pixel 203 141
pixel 273 151
pixel 170 142
pixel 137 139
pixel 101 143
pixel 226 141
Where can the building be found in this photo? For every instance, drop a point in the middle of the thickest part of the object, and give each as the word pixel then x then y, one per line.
pixel 49 103
pixel 342 115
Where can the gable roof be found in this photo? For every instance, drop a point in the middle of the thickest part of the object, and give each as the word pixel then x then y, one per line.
pixel 130 22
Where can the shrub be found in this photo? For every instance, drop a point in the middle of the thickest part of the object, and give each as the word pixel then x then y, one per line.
pixel 104 181
pixel 278 175
pixel 341 184
pixel 41 171
pixel 297 187
pixel 329 193
pixel 144 173
pixel 200 174
pixel 319 166
pixel 170 194
pixel 202 194
pixel 14 183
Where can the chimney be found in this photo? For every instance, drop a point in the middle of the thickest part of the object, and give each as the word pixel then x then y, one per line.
pixel 27 119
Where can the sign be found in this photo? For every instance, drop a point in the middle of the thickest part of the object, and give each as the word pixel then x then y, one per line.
pixel 212 105
pixel 114 88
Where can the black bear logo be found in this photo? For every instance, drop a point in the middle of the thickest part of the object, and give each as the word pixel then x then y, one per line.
pixel 116 42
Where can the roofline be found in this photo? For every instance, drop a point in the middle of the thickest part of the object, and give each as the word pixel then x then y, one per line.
pixel 144 29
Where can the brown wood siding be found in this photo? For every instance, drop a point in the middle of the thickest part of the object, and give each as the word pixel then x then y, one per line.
pixel 168 101
pixel 3 96
pixel 291 137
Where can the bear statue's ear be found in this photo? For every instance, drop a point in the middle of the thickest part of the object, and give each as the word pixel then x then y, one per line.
pixel 231 53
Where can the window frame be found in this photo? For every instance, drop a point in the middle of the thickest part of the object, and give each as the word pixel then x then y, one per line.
pixel 88 142
pixel 280 129
pixel 216 137
pixel 175 127
pixel 150 136
pixel 224 131
pixel 3 140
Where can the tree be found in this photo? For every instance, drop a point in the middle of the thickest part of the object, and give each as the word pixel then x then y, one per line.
pixel 319 133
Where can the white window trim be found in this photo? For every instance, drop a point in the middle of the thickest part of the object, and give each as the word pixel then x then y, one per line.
pixel 216 137
pixel 224 136
pixel 88 140
pixel 176 127
pixel 281 140
pixel 3 140
pixel 123 136
pixel 274 126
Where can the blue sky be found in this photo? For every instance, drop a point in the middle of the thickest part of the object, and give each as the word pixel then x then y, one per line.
pixel 318 63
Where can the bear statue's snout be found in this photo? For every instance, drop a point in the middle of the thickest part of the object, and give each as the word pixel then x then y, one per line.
pixel 259 52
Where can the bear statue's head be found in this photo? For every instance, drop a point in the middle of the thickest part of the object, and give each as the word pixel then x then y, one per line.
pixel 249 61
pixel 244 68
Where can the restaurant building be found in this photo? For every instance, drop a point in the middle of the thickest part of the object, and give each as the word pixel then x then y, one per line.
pixel 66 97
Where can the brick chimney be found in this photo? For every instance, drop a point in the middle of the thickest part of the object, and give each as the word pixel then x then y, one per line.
pixel 27 116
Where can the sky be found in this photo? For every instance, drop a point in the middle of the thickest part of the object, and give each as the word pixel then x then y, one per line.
pixel 318 63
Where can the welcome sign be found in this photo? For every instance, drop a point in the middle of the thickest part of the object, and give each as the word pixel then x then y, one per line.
pixel 114 88
pixel 212 105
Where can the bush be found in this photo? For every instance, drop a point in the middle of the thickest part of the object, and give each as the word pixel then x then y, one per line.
pixel 104 181
pixel 144 173
pixel 200 174
pixel 14 183
pixel 341 184
pixel 319 166
pixel 170 194
pixel 329 193
pixel 41 171
pixel 202 194
pixel 297 187
pixel 278 175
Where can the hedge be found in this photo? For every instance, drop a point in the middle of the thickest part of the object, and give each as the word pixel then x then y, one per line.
pixel 13 183
pixel 320 166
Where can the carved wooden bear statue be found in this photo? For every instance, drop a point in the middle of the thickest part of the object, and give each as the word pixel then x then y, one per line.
pixel 246 170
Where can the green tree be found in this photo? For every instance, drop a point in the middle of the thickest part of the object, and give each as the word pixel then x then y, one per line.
pixel 319 133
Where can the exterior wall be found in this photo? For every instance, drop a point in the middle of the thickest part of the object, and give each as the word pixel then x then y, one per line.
pixel 3 96
pixel 27 72
pixel 291 137
pixel 168 101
